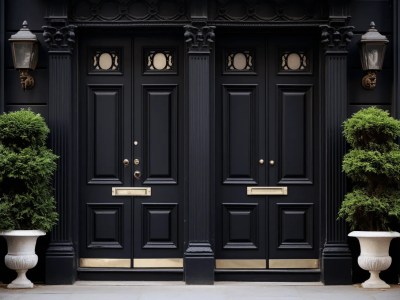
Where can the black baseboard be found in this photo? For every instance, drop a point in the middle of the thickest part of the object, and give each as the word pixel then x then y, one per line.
pixel 269 275
pixel 199 270
pixel 111 274
pixel 60 269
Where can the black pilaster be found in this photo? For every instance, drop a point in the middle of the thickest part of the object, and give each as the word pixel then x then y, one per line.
pixel 199 257
pixel 60 256
pixel 336 255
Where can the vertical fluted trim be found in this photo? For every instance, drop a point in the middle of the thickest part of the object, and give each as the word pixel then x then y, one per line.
pixel 199 148
pixel 335 115
pixel 60 93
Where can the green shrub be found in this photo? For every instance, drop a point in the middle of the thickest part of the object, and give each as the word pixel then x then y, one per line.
pixel 26 170
pixel 374 167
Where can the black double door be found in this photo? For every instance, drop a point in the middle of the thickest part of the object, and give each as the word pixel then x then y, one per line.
pixel 131 145
pixel 131 171
pixel 267 145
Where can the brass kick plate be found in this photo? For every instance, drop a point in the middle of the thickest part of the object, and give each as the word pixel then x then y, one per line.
pixel 158 263
pixel 132 191
pixel 267 190
pixel 240 263
pixel 105 263
pixel 293 263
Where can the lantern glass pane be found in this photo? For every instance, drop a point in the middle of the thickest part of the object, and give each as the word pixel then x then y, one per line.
pixel 374 56
pixel 22 52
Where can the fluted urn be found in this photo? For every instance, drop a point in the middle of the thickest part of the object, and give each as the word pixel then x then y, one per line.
pixel 21 255
pixel 374 256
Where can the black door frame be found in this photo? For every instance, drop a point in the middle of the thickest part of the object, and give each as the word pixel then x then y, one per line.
pixel 199 257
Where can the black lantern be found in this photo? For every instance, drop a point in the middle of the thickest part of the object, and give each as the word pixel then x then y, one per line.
pixel 373 47
pixel 24 49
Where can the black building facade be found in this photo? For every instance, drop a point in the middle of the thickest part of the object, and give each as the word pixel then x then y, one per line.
pixel 199 140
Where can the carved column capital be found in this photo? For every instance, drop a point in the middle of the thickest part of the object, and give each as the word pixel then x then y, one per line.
pixel 336 38
pixel 59 37
pixel 199 38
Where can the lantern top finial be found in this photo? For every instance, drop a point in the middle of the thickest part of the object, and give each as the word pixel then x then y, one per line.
pixel 24 34
pixel 372 35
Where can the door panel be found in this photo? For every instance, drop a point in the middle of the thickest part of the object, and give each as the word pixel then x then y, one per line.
pixel 266 137
pixel 131 137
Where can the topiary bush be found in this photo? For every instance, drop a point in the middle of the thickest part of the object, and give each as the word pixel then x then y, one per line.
pixel 26 170
pixel 373 164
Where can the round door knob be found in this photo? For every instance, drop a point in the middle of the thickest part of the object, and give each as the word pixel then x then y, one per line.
pixel 261 161
pixel 272 162
pixel 137 174
pixel 125 162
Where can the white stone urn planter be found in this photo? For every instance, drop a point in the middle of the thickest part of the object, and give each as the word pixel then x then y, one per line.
pixel 21 254
pixel 374 256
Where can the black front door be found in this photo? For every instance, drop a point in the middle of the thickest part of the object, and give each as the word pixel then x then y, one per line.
pixel 267 199
pixel 131 191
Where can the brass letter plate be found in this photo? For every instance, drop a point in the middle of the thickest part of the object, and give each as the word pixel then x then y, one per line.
pixel 105 263
pixel 132 191
pixel 267 190
pixel 293 263
pixel 240 264
pixel 158 263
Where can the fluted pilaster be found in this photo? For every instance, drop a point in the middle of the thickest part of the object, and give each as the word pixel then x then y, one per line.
pixel 336 256
pixel 199 257
pixel 60 256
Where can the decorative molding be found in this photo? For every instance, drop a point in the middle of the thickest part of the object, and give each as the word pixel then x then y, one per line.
pixel 199 38
pixel 59 38
pixel 273 10
pixel 128 10
pixel 336 38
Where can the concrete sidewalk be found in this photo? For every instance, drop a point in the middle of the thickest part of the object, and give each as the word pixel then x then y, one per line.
pixel 178 291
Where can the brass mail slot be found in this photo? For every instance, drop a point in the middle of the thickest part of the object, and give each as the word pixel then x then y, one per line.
pixel 266 190
pixel 131 191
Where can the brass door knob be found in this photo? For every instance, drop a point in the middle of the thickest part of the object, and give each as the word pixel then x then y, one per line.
pixel 261 161
pixel 125 162
pixel 137 174
pixel 272 162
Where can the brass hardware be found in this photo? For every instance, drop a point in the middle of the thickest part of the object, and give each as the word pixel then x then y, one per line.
pixel 135 143
pixel 137 174
pixel 125 162
pixel 293 263
pixel 369 80
pixel 131 191
pixel 105 263
pixel 158 263
pixel 136 161
pixel 240 263
pixel 266 190
pixel 272 162
pixel 261 161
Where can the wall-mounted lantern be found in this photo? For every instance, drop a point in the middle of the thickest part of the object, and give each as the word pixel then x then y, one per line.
pixel 373 47
pixel 24 49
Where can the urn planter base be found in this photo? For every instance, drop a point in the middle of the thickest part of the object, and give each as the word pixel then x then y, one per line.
pixel 21 255
pixel 374 256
